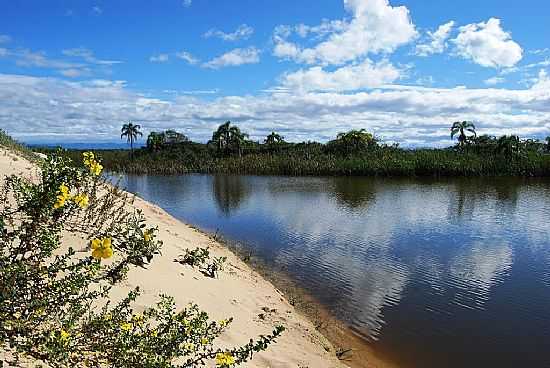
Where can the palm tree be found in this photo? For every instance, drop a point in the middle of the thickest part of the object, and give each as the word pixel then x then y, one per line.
pixel 237 139
pixel 228 137
pixel 222 136
pixel 274 139
pixel 462 127
pixel 155 141
pixel 131 131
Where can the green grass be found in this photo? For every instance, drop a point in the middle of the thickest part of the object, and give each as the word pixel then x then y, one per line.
pixel 12 145
pixel 313 159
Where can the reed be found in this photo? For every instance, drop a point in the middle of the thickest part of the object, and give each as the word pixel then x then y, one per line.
pixel 315 159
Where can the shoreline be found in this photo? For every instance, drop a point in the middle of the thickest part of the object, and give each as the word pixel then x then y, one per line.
pixel 240 292
pixel 355 351
pixel 255 295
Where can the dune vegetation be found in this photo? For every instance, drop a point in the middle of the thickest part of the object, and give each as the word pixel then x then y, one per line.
pixel 355 152
pixel 55 303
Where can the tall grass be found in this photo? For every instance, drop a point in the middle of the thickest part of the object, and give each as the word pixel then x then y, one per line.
pixel 313 160
pixel 11 144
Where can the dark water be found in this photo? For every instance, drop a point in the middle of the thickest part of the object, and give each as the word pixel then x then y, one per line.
pixel 452 273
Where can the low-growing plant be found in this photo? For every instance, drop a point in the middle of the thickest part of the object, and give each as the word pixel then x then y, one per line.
pixel 195 257
pixel 200 257
pixel 54 300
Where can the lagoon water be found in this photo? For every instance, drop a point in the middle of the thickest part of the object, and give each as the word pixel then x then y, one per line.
pixel 434 273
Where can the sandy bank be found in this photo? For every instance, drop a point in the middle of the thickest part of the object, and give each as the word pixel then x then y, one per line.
pixel 239 292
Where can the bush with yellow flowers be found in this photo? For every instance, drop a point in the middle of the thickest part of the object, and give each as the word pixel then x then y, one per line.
pixel 54 300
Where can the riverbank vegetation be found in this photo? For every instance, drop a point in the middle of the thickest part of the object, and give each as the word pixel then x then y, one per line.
pixel 355 152
pixel 55 301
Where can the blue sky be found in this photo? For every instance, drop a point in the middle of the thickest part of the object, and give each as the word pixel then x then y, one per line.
pixel 75 71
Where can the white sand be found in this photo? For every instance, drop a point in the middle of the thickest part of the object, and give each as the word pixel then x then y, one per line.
pixel 239 292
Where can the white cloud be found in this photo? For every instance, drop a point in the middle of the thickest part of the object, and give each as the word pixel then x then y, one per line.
pixel 3 52
pixel 73 73
pixel 187 3
pixel 88 56
pixel 488 45
pixel 28 58
pixel 235 57
pixel 539 51
pixel 5 38
pixel 375 27
pixel 243 32
pixel 97 10
pixel 542 82
pixel 346 78
pixel 186 56
pixel 494 81
pixel 160 58
pixel 437 41
pixel 36 108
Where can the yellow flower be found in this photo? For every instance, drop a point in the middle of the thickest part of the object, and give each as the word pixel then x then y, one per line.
pixel 90 162
pixel 89 157
pixel 154 333
pixel 223 322
pixel 62 196
pixel 189 346
pixel 137 318
pixel 126 326
pixel 204 341
pixel 147 235
pixel 102 248
pixel 64 335
pixel 225 359
pixel 81 200
pixel 96 168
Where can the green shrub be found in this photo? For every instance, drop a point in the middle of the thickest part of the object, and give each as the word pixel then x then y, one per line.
pixel 54 301
pixel 200 257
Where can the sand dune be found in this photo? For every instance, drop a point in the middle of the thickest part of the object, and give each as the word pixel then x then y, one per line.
pixel 239 292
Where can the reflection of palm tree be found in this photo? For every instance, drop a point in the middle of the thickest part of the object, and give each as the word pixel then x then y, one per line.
pixel 230 191
pixel 352 192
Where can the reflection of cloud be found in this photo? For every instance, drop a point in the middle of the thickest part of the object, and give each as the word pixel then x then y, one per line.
pixel 404 251
pixel 477 268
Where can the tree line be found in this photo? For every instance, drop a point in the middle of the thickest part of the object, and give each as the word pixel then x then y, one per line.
pixel 228 139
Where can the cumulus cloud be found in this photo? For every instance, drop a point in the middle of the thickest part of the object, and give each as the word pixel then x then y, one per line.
pixel 160 58
pixel 437 41
pixel 50 109
pixel 375 27
pixel 488 45
pixel 243 32
pixel 346 78
pixel 235 57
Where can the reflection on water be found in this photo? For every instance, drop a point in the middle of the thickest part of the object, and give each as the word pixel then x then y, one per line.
pixel 230 191
pixel 450 273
